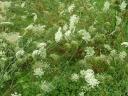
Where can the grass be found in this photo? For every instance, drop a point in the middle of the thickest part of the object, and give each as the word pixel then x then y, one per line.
pixel 66 57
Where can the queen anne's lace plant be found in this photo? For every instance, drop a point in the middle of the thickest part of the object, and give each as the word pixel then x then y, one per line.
pixel 106 6
pixel 19 54
pixel 118 20
pixel 16 94
pixel 58 35
pixel 41 45
pixel 67 35
pixel 82 73
pixel 65 27
pixel 74 77
pixel 4 6
pixel 36 53
pixel 124 44
pixel 89 51
pixel 123 5
pixel 35 28
pixel 46 86
pixel 81 94
pixel 86 36
pixel 23 4
pixel 122 55
pixel 39 53
pixel 107 47
pixel 38 72
pixel 113 53
pixel 71 7
pixel 90 78
pixel 73 21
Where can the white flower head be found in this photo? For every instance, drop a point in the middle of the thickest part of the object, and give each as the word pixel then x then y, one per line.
pixel 118 20
pixel 36 53
pixel 124 44
pixel 82 73
pixel 23 4
pixel 67 35
pixel 46 86
pixel 107 47
pixel 58 35
pixel 41 45
pixel 81 94
pixel 16 94
pixel 7 4
pixel 123 6
pixel 90 51
pixel 113 53
pixel 122 55
pixel 73 21
pixel 35 28
pixel 43 52
pixel 90 78
pixel 92 28
pixel 65 27
pixel 86 36
pixel 74 77
pixel 71 8
pixel 106 6
pixel 19 54
pixel 38 72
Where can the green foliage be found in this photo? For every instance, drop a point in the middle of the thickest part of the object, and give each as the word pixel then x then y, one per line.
pixel 46 46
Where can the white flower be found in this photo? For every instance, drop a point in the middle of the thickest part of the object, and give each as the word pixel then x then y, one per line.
pixel 11 37
pixel 113 53
pixel 36 53
pixel 70 8
pixel 86 36
pixel 73 21
pixel 106 6
pixel 92 28
pixel 118 20
pixel 107 46
pixel 34 16
pixel 4 6
pixel 123 6
pixel 23 4
pixel 19 53
pixel 7 4
pixel 35 28
pixel 124 44
pixel 65 27
pixel 82 73
pixel 15 94
pixel 46 86
pixel 90 78
pixel 67 35
pixel 122 55
pixel 90 51
pixel 41 45
pixel 43 52
pixel 74 77
pixel 58 35
pixel 81 94
pixel 38 72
